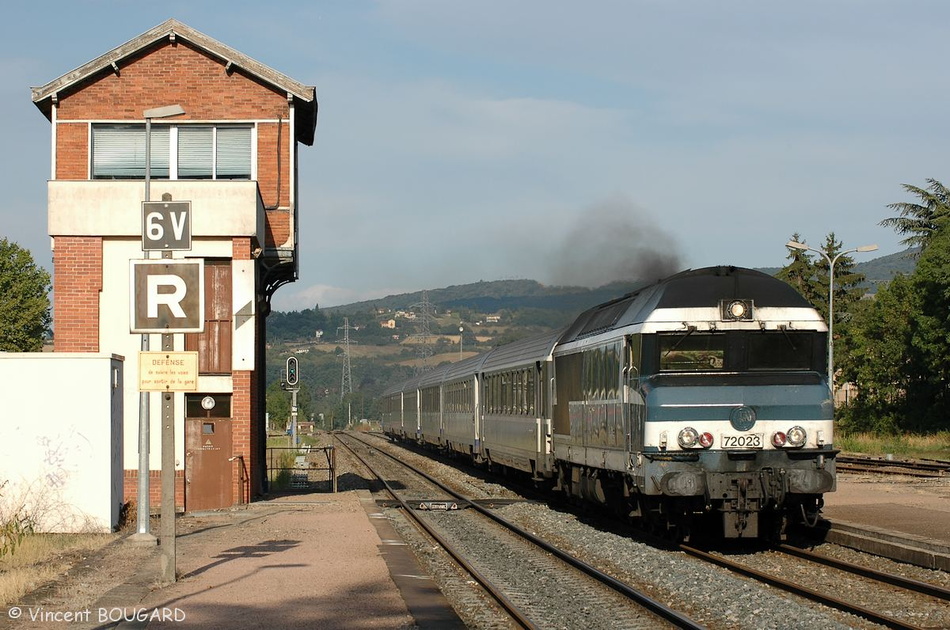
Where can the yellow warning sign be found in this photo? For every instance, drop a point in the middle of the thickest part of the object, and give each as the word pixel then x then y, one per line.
pixel 168 371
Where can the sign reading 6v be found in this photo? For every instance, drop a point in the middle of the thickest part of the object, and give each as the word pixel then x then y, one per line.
pixel 166 226
pixel 167 295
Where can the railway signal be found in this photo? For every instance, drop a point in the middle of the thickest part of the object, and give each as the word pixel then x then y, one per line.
pixel 292 376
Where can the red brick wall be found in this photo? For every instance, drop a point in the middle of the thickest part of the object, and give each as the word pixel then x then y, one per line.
pixel 245 414
pixel 72 151
pixel 178 74
pixel 169 74
pixel 242 425
pixel 131 493
pixel 77 282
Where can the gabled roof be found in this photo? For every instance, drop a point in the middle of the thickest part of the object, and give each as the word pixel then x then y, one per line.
pixel 305 96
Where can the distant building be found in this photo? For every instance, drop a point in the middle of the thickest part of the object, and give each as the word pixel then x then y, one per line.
pixel 389 323
pixel 224 135
pixel 492 319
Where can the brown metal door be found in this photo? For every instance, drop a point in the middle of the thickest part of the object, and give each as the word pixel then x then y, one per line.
pixel 214 344
pixel 207 465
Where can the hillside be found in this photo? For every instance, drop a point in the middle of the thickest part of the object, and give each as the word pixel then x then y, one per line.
pixel 493 296
pixel 386 336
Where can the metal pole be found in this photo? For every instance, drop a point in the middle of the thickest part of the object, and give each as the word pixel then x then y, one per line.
pixel 143 535
pixel 168 562
pixel 293 417
pixel 831 301
pixel 831 325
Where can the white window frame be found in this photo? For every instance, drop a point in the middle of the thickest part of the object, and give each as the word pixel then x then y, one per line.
pixel 173 148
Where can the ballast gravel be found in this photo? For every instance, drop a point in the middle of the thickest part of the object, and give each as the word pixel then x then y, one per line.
pixel 710 595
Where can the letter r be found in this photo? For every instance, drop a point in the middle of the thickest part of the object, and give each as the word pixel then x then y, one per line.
pixel 172 299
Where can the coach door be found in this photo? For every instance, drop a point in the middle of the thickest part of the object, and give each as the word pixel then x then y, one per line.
pixel 208 452
pixel 634 404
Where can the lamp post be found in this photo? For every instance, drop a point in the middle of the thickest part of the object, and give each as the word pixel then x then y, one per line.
pixel 831 300
pixel 142 521
pixel 460 341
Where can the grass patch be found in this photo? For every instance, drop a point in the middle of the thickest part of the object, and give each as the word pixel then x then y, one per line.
pixel 41 558
pixel 934 446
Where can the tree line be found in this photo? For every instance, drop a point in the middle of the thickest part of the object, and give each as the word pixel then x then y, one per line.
pixel 894 346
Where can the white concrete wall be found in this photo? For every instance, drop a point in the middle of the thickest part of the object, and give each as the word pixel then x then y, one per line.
pixel 62 425
pixel 114 208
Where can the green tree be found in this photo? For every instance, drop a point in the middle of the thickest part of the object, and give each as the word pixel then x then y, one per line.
pixel 919 221
pixel 897 347
pixel 931 332
pixel 811 277
pixel 848 289
pixel 873 351
pixel 800 272
pixel 24 300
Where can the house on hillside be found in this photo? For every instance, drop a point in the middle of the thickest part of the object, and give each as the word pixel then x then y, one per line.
pixel 215 195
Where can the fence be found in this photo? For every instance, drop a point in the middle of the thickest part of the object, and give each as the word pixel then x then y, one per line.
pixel 301 469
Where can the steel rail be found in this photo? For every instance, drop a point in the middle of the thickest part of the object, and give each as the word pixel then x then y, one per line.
pixel 911 468
pixel 895 580
pixel 494 591
pixel 800 590
pixel 661 610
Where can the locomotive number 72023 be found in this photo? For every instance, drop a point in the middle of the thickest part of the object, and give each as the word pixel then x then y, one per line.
pixel 746 440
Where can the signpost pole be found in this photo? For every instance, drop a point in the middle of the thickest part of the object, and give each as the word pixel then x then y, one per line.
pixel 143 535
pixel 168 530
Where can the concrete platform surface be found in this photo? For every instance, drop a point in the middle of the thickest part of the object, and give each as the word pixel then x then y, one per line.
pixel 313 561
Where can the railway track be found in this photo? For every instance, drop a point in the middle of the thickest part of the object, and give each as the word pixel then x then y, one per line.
pixel 884 466
pixel 923 597
pixel 702 590
pixel 594 598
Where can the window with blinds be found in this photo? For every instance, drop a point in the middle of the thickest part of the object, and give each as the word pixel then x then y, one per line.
pixel 178 152
pixel 118 152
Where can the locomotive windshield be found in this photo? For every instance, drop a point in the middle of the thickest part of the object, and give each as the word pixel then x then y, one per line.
pixel 740 351
pixel 692 352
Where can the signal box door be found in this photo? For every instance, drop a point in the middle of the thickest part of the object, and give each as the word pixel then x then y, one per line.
pixel 207 469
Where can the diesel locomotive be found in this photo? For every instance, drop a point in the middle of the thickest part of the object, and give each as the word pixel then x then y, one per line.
pixel 699 401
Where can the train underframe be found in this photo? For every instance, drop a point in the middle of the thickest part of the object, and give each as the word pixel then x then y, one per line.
pixel 688 502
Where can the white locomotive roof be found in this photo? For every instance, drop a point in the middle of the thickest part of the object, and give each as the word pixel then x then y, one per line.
pixel 523 351
pixel 695 295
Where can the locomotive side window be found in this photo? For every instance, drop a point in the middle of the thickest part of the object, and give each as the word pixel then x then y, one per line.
pixel 781 350
pixel 692 352
pixel 600 376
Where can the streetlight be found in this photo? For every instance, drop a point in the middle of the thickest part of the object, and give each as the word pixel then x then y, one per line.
pixel 831 300
pixel 142 521
pixel 460 341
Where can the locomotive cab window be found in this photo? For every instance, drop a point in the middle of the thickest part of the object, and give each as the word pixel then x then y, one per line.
pixel 689 351
pixel 781 350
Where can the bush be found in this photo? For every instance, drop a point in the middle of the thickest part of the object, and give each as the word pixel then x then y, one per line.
pixel 14 527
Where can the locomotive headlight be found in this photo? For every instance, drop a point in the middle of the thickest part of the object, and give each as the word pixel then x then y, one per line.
pixel 735 310
pixel 688 438
pixel 796 437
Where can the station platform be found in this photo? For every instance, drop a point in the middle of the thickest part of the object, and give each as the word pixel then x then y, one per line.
pixel 306 561
pixel 904 518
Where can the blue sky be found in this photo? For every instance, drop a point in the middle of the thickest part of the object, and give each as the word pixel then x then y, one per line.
pixel 558 141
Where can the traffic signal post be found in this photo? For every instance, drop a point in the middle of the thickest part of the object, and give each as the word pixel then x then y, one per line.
pixel 291 380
